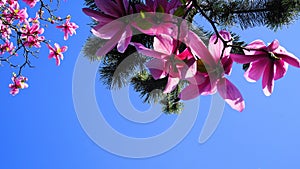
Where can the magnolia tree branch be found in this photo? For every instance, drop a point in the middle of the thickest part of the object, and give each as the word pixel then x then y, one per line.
pixel 22 35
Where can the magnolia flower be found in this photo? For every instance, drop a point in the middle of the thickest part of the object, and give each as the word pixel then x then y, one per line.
pixel 31 3
pixel 18 83
pixel 167 61
pixel 30 34
pixel 7 47
pixel 118 32
pixel 212 70
pixel 270 62
pixel 68 28
pixel 16 13
pixel 56 52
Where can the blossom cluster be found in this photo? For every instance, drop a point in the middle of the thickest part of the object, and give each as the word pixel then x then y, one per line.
pixel 204 67
pixel 21 33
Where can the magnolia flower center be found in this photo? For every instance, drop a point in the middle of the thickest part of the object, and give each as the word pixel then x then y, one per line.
pixel 273 57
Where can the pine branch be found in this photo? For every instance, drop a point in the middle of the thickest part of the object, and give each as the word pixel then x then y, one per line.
pixel 171 103
pixel 149 88
pixel 118 68
pixel 252 13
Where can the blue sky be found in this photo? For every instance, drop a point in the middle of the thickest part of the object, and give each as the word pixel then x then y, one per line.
pixel 40 129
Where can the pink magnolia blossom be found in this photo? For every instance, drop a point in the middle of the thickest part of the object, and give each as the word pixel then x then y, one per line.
pixel 18 83
pixel 31 34
pixel 212 71
pixel 68 28
pixel 35 20
pixel 5 30
pixel 16 13
pixel 7 47
pixel 56 52
pixel 118 32
pixel 270 62
pixel 167 61
pixel 31 3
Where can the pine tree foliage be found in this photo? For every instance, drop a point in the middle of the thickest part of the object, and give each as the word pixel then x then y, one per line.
pixel 119 68
pixel 149 88
pixel 250 13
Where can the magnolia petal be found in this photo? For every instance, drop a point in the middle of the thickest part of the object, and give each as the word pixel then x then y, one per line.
pixel 280 69
pixel 148 52
pixel 227 64
pixel 273 46
pixel 109 7
pixel 257 44
pixel 64 48
pixel 157 68
pixel 290 59
pixel 191 69
pixel 189 92
pixel 171 85
pixel 216 45
pixel 186 54
pixel 268 80
pixel 98 16
pixel 109 30
pixel 256 69
pixel 231 94
pixel 192 90
pixel 125 39
pixel 244 59
pixel 197 79
pixel 108 46
pixel 163 44
pixel 199 49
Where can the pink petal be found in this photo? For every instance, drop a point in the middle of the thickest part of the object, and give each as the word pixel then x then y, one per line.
pixel 280 69
pixel 186 54
pixel 216 47
pixel 149 52
pixel 290 59
pixel 273 46
pixel 57 60
pixel 98 16
pixel 163 44
pixel 157 68
pixel 192 90
pixel 171 85
pixel 197 79
pixel 64 48
pixel 198 48
pixel 191 69
pixel 109 30
pixel 268 79
pixel 125 40
pixel 243 59
pixel 108 46
pixel 257 44
pixel 56 45
pixel 256 69
pixel 231 94
pixel 189 92
pixel 109 7
pixel 227 64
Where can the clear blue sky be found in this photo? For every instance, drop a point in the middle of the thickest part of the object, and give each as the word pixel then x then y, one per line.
pixel 40 130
